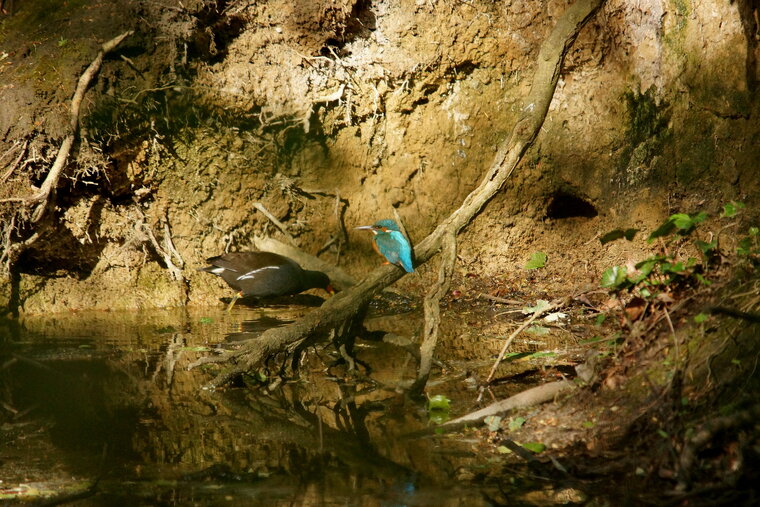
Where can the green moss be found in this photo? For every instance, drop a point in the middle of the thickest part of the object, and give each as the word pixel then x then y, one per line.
pixel 675 37
pixel 646 118
pixel 646 134
pixel 40 17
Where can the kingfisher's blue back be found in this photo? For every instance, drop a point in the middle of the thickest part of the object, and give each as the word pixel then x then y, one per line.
pixel 392 244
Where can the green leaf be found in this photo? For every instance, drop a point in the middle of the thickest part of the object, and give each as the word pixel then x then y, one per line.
pixel 206 320
pixel 730 209
pixel 682 221
pixel 706 247
pixel 646 266
pixel 663 433
pixel 663 230
pixel 617 234
pixel 541 305
pixel 535 447
pixel 516 423
pixel 537 260
pixel 745 246
pixel 504 449
pixel 613 277
pixel 753 231
pixel 538 355
pixel 588 424
pixel 493 422
pixel 438 416
pixel 700 318
pixel 516 356
pixel 699 218
pixel 538 330
pixel 701 279
pixel 600 319
pixel 677 268
pixel 439 402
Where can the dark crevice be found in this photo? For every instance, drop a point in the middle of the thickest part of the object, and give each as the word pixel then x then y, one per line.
pixel 565 205
pixel 214 33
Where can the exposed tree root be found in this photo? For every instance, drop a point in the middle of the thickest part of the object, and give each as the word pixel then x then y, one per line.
pixel 433 312
pixel 339 314
pixel 44 199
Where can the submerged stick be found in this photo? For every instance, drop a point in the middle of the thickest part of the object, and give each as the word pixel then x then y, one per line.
pixel 532 396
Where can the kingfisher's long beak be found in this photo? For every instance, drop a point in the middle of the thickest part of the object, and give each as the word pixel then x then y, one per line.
pixel 365 227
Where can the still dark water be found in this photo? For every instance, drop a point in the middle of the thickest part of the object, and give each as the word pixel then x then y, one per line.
pixel 101 409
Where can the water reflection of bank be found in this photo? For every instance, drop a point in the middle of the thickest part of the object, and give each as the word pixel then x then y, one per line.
pixel 116 402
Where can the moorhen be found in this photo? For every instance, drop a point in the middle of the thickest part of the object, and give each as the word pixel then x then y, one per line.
pixel 265 274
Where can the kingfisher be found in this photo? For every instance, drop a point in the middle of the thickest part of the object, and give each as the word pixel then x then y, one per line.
pixel 390 242
pixel 265 274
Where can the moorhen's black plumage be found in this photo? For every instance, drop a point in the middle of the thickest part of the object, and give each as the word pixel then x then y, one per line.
pixel 265 274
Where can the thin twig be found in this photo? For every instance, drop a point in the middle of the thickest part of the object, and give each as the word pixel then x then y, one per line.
pixel 15 164
pixel 500 300
pixel 283 228
pixel 553 306
pixel 672 332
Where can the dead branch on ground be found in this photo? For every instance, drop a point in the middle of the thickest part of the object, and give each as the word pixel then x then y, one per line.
pixel 532 396
pixel 340 311
pixel 339 278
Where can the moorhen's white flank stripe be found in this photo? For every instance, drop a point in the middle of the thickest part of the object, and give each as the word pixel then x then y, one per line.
pixel 252 274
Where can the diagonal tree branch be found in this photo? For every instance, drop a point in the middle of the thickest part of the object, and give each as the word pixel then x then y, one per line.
pixel 341 309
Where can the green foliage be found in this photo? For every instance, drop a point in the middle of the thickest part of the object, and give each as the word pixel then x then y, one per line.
pixel 438 409
pixel 680 222
pixel 516 423
pixel 749 245
pixel 730 209
pixel 614 277
pixel 662 271
pixel 537 260
pixel 535 447
pixel 439 402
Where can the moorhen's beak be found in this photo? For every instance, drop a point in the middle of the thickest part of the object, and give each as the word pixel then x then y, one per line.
pixel 331 290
